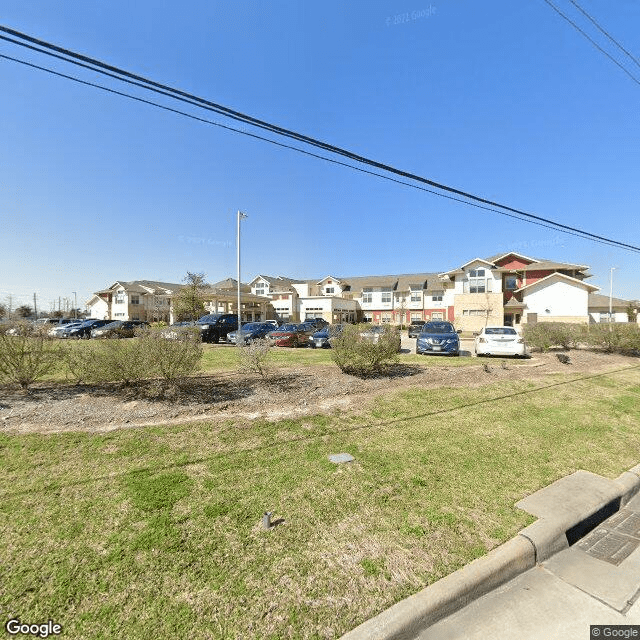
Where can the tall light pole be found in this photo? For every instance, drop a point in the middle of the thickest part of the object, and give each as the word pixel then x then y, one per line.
pixel 238 334
pixel 75 305
pixel 611 293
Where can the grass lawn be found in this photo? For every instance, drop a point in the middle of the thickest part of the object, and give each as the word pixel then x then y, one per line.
pixel 155 532
pixel 218 357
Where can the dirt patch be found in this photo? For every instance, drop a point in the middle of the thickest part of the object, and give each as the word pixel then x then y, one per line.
pixel 293 392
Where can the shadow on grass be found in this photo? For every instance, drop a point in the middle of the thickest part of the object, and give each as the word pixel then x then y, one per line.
pixel 189 391
pixel 398 370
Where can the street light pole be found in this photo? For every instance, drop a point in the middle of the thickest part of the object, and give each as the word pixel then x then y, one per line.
pixel 238 334
pixel 75 305
pixel 611 293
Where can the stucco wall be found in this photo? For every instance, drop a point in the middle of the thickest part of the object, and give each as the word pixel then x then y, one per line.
pixel 557 299
pixel 478 301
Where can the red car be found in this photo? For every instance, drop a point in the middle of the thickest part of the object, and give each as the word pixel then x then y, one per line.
pixel 291 335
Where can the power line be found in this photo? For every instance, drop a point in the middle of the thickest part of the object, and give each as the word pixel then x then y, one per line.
pixel 305 152
pixel 130 78
pixel 592 41
pixel 602 30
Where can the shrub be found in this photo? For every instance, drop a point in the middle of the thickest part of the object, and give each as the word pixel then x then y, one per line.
pixel 150 355
pixel 356 351
pixel 171 359
pixel 621 338
pixel 544 335
pixel 253 356
pixel 26 354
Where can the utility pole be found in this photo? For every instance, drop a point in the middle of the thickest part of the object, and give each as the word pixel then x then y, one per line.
pixel 35 306
pixel 240 217
pixel 611 295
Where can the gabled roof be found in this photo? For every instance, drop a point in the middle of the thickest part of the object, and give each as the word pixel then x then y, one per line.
pixel 360 282
pixel 414 281
pixel 598 300
pixel 143 286
pixel 499 256
pixel 461 268
pixel 544 265
pixel 277 280
pixel 329 277
pixel 230 284
pixel 562 276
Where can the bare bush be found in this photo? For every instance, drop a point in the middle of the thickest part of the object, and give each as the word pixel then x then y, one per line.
pixel 130 361
pixel 27 354
pixel 253 356
pixel 360 352
pixel 172 359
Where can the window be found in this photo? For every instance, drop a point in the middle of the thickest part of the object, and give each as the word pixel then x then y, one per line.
pixel 119 299
pixel 386 296
pixel 367 297
pixel 119 315
pixel 437 315
pixel 477 282
pixel 415 317
pixel 367 317
pixel 135 299
pixel 415 296
pixel 436 296
pixel 510 283
pixel 385 317
pixel 260 289
pixel 473 312
pixel 604 317
pixel 329 290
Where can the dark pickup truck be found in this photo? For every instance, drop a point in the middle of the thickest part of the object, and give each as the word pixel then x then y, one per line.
pixel 216 326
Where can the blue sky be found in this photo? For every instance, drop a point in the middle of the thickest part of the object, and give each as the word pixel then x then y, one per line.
pixel 498 98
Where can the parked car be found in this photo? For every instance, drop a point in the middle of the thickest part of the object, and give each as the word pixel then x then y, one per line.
pixel 82 330
pixel 173 330
pixel 216 326
pixel 415 328
pixel 503 341
pixel 317 323
pixel 322 339
pixel 290 335
pixel 438 337
pixel 57 331
pixel 118 329
pixel 374 333
pixel 251 331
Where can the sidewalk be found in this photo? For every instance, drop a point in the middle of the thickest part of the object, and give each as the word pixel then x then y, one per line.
pixel 564 595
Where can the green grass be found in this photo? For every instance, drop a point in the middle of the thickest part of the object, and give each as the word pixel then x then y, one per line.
pixel 156 532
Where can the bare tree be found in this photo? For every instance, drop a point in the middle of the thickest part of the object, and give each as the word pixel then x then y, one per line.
pixel 401 309
pixel 487 308
pixel 188 304
pixel 3 311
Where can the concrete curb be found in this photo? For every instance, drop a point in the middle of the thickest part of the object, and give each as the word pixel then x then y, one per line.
pixel 535 543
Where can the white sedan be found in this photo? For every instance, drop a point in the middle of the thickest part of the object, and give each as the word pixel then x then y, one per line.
pixel 500 341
